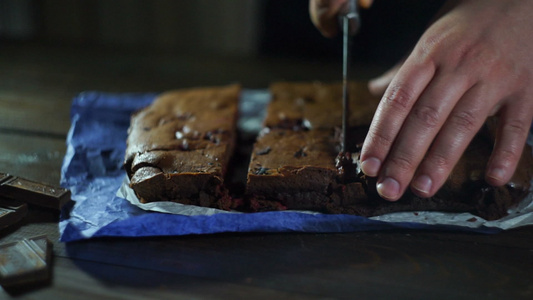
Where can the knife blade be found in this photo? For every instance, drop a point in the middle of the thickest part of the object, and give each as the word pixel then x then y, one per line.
pixel 350 23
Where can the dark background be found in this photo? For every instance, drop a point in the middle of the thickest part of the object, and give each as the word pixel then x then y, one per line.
pixel 260 28
pixel 389 29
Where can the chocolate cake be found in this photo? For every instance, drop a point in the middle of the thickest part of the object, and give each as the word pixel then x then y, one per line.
pixel 178 148
pixel 296 164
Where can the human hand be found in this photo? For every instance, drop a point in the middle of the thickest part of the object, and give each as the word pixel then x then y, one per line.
pixel 475 61
pixel 324 14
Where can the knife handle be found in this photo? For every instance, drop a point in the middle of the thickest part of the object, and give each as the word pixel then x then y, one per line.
pixel 350 11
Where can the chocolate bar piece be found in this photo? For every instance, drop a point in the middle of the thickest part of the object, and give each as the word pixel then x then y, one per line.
pixel 298 166
pixel 178 148
pixel 4 177
pixel 34 192
pixel 25 262
pixel 11 211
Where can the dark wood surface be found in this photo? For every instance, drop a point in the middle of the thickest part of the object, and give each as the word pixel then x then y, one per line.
pixel 36 87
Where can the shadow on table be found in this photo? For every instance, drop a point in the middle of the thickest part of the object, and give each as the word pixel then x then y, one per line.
pixel 392 263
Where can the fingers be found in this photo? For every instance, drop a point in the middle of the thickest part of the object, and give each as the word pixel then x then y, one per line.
pixel 324 15
pixel 460 128
pixel 459 73
pixel 394 107
pixel 445 118
pixel 421 125
pixel 514 124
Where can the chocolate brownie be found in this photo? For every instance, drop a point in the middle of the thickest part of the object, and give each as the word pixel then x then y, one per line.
pixel 296 170
pixel 296 164
pixel 179 147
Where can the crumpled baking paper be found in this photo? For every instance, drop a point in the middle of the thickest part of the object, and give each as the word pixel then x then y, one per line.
pixel 104 206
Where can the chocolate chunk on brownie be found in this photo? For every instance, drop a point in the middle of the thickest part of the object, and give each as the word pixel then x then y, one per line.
pixel 179 147
pixel 296 162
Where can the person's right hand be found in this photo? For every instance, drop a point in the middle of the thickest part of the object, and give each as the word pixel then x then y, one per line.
pixel 324 14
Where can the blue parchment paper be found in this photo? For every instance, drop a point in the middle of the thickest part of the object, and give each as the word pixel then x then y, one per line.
pixel 92 170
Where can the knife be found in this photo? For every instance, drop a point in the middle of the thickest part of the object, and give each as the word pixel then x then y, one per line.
pixel 350 23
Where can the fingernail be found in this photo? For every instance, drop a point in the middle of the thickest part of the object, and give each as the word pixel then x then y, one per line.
pixel 389 189
pixel 497 173
pixel 370 166
pixel 422 183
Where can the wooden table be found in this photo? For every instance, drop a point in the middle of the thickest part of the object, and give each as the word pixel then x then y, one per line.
pixel 36 87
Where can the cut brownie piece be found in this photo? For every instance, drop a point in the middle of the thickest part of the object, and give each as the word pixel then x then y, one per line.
pixel 293 161
pixel 293 165
pixel 296 170
pixel 178 148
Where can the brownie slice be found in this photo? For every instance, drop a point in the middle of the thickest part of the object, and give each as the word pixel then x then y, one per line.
pixel 294 166
pixel 178 148
pixel 296 170
pixel 293 162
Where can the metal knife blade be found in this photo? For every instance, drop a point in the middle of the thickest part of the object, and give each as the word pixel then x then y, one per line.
pixel 350 22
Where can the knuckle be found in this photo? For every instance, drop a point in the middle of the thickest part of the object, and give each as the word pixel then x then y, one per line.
pixel 427 115
pixel 465 121
pixel 515 126
pixel 507 155
pixel 478 57
pixel 465 52
pixel 398 97
pixel 428 45
pixel 380 140
pixel 439 163
pixel 402 163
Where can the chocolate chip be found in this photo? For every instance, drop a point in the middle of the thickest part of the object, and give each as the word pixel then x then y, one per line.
pixel 147 128
pixel 261 171
pixel 263 151
pixel 300 153
pixel 184 116
pixel 304 100
pixel 195 135
pixel 184 145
